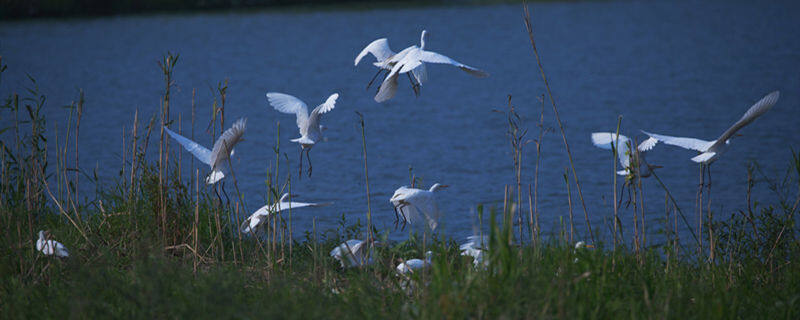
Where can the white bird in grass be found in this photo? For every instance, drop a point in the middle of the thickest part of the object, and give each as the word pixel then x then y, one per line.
pixel 414 59
pixel 254 221
pixel 476 247
pixel 409 266
pixel 217 157
pixel 50 247
pixel 607 140
pixel 413 204
pixel 711 150
pixel 353 253
pixel 310 128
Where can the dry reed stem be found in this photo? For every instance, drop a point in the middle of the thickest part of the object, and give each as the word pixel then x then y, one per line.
pixel 558 119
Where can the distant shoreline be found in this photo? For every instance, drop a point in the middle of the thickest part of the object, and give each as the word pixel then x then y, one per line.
pixel 33 9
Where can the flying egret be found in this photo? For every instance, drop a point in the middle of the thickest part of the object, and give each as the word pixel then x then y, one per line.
pixel 217 157
pixel 414 60
pixel 409 266
pixel 476 247
pixel 50 247
pixel 386 59
pixel 606 140
pixel 254 221
pixel 310 128
pixel 711 150
pixel 353 253
pixel 413 204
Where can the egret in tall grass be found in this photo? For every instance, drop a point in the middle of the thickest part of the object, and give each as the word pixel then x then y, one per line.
pixel 386 59
pixel 622 144
pixel 255 220
pixel 353 253
pixel 413 60
pixel 711 150
pixel 476 247
pixel 310 128
pixel 50 247
pixel 217 157
pixel 414 204
pixel 409 266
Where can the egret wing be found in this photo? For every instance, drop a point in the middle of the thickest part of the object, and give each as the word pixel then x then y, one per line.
pixel 289 104
pixel 388 88
pixel 225 143
pixel 433 57
pixel 200 152
pixel 754 112
pixel 378 48
pixel 686 143
pixel 606 140
pixel 647 144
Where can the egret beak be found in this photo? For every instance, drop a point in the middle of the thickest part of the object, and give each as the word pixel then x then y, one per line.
pixel 590 246
pixel 443 186
pixel 652 166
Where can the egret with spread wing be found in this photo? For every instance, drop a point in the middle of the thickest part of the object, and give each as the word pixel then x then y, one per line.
pixel 413 59
pixel 711 150
pixel 386 59
pixel 622 144
pixel 412 205
pixel 353 253
pixel 310 128
pixel 255 220
pixel 217 157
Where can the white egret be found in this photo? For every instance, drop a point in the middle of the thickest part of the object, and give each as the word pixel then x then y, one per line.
pixel 353 253
pixel 711 150
pixel 579 247
pixel 414 59
pixel 606 140
pixel 254 221
pixel 310 128
pixel 476 247
pixel 386 59
pixel 414 204
pixel 217 157
pixel 409 266
pixel 50 247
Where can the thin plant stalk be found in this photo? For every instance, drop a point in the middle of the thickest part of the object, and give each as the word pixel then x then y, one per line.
pixel 370 236
pixel 558 119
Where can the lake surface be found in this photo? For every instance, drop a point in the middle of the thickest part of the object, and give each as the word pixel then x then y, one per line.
pixel 686 68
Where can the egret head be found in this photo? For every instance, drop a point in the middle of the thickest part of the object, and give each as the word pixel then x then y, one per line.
pixel 437 186
pixel 41 234
pixel 284 197
pixel 428 256
pixel 582 245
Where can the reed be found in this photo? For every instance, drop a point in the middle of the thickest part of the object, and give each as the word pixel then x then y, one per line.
pixel 529 28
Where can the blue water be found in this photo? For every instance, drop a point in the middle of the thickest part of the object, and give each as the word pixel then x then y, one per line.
pixel 685 68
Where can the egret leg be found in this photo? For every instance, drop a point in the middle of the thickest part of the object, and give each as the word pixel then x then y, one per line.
pixel 227 199
pixel 300 173
pixel 396 217
pixel 308 155
pixel 216 191
pixel 414 86
pixel 374 77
